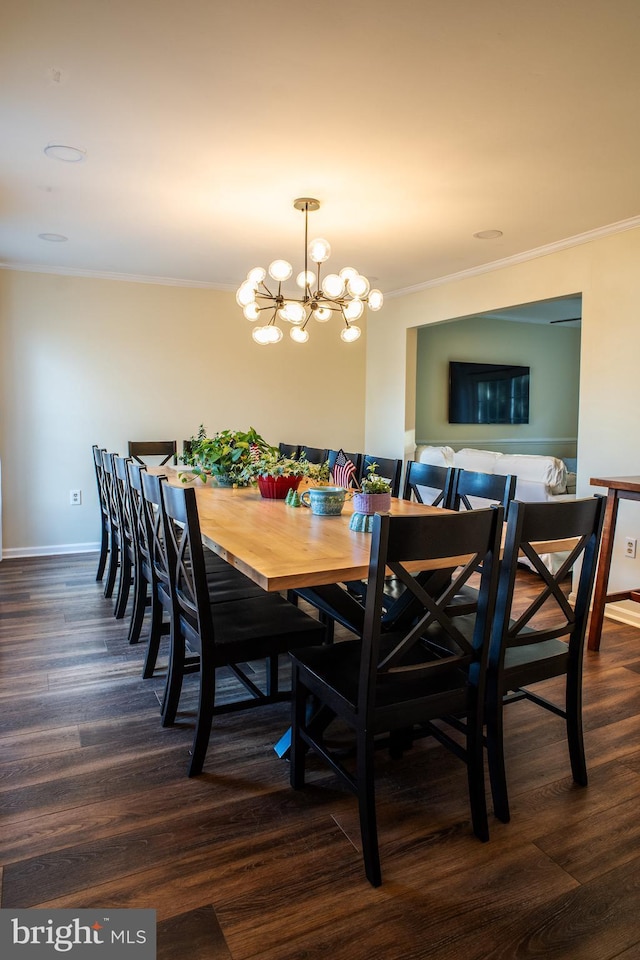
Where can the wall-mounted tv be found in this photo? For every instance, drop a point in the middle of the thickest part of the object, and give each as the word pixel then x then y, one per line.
pixel 488 393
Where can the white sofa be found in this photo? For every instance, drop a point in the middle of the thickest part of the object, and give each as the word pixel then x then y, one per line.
pixel 539 478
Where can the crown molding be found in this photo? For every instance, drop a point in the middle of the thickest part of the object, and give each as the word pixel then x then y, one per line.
pixel 620 227
pixel 105 275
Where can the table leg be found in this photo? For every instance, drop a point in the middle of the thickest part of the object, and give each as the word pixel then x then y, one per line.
pixel 602 575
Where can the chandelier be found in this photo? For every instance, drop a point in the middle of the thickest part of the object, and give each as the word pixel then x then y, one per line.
pixel 345 293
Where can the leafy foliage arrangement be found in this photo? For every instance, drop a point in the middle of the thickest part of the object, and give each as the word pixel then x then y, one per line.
pixel 373 483
pixel 274 465
pixel 229 456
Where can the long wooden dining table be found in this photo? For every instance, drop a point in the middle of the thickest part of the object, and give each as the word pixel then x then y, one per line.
pixel 282 547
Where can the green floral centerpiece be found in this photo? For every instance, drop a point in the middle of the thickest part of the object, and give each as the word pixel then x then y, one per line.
pixel 276 475
pixel 228 457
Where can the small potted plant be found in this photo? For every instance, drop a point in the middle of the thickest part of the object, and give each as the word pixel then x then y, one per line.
pixel 277 475
pixel 374 495
pixel 226 458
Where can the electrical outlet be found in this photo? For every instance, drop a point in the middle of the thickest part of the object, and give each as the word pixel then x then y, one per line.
pixel 630 547
pixel 75 497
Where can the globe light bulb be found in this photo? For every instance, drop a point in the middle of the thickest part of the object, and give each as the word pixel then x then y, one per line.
pixel 354 310
pixel 293 311
pixel 256 275
pixel 319 250
pixel 333 285
pixel 280 270
pixel 322 314
pixel 260 335
pixel 348 272
pixel 358 286
pixel 246 294
pixel 305 280
pixel 274 334
pixel 375 300
pixel 298 334
pixel 252 311
pixel 351 333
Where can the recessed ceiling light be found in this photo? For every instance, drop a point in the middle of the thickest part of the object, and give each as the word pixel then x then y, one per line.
pixel 53 237
pixel 488 234
pixel 61 151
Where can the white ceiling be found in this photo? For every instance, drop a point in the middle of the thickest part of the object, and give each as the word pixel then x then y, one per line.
pixel 416 123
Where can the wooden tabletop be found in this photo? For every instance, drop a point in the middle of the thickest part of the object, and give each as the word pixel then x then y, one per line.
pixel 630 484
pixel 281 547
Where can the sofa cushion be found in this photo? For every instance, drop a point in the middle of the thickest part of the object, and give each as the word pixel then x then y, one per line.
pixel 438 456
pixel 480 461
pixel 547 470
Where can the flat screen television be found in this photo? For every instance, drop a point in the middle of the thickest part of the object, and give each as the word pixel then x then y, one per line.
pixel 488 393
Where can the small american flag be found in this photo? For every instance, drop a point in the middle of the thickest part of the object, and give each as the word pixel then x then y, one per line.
pixel 344 470
pixel 254 452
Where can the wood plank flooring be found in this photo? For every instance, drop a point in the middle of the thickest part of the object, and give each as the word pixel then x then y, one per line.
pixel 97 811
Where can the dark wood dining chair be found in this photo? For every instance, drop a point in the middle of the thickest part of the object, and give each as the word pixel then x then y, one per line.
pixel 473 490
pixel 313 454
pixel 165 450
pixel 126 535
pixel 545 637
pixel 428 667
pixel 289 450
pixel 428 483
pixel 387 467
pixel 221 634
pixel 355 458
pixel 111 492
pixel 103 501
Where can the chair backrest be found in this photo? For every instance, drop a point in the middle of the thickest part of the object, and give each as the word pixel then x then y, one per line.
pixel 289 450
pixel 187 569
pixel 529 529
pixel 387 467
pixel 313 454
pixel 430 642
pixel 152 503
pixel 355 458
pixel 430 484
pixel 139 516
pixel 103 496
pixel 111 491
pixel 165 449
pixel 472 490
pixel 121 483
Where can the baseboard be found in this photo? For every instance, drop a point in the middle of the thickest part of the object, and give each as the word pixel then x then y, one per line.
pixel 16 553
pixel 624 614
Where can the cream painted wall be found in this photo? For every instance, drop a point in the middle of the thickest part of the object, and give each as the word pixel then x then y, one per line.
pixel 552 351
pixel 605 271
pixel 87 361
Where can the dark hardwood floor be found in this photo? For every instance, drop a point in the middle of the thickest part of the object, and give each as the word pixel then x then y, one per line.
pixel 97 810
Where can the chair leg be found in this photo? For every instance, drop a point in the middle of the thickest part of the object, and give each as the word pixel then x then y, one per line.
pixel 139 606
pixel 495 753
pixel 475 775
pixel 155 636
pixel 367 807
pixel 175 676
pixel 272 676
pixel 112 571
pixel 104 550
pixel 204 721
pixel 124 585
pixel 575 737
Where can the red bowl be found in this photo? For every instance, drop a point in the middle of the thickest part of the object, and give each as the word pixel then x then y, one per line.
pixel 276 488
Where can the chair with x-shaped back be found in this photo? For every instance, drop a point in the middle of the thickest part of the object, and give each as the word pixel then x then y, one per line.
pixel 397 681
pixel 162 450
pixel 103 500
pixel 220 634
pixel 541 635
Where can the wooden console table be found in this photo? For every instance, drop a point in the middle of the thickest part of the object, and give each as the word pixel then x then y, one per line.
pixel 618 488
